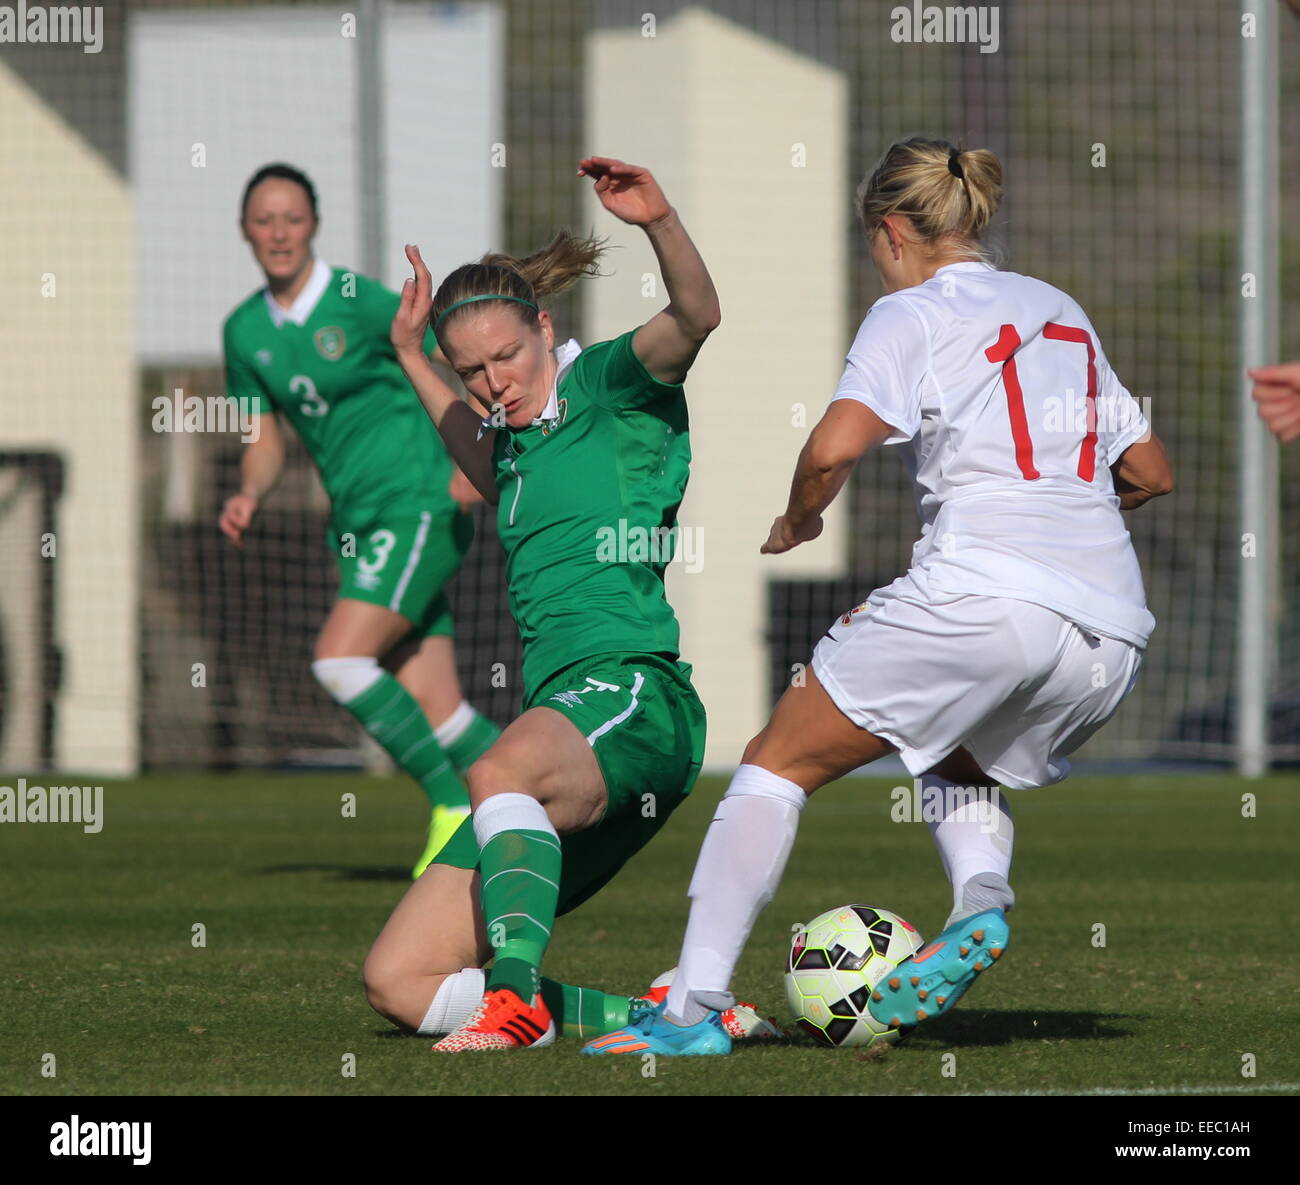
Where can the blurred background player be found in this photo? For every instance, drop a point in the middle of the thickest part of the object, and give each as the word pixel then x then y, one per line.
pixel 1277 392
pixel 1013 637
pixel 313 345
pixel 611 737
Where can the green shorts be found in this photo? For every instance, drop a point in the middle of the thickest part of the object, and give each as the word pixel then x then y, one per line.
pixel 645 725
pixel 404 563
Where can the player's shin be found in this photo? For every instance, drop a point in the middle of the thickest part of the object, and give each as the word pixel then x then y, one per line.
pixel 395 719
pixel 973 831
pixel 740 865
pixel 466 735
pixel 585 1012
pixel 520 867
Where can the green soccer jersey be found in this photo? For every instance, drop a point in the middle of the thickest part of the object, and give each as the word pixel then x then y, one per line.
pixel 327 364
pixel 588 512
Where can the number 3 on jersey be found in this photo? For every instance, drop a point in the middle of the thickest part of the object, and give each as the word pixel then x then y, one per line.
pixel 312 403
pixel 1004 350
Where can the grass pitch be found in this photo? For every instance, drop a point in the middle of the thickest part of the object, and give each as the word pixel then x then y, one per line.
pixel 1198 967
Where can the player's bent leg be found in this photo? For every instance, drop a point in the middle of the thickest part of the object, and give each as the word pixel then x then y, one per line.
pixel 1025 740
pixel 538 780
pixel 970 821
pixel 424 972
pixel 972 829
pixel 425 662
pixel 413 973
pixel 542 755
pixel 348 667
pixel 359 628
pixel 810 742
pixel 426 667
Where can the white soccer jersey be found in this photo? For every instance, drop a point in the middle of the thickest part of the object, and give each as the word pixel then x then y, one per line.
pixel 1010 418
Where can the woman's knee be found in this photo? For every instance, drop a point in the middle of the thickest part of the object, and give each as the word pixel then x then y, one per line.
pixel 399 994
pixel 496 772
pixel 383 980
pixel 752 749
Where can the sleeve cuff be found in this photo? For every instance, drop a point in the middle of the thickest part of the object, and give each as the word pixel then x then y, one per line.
pixel 900 434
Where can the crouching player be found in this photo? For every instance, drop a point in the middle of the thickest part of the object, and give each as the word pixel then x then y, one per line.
pixel 612 734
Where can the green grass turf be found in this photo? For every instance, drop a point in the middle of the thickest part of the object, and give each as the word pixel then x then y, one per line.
pixel 1199 965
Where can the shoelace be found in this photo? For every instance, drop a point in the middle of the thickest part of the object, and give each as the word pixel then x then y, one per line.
pixel 642 1014
pixel 636 1010
pixel 488 1008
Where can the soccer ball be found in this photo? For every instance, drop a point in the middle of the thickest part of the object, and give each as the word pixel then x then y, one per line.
pixel 835 962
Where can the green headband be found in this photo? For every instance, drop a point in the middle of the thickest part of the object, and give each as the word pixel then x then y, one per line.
pixel 471 299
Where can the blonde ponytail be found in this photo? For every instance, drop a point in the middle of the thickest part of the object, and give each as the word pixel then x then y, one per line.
pixel 949 194
pixel 523 281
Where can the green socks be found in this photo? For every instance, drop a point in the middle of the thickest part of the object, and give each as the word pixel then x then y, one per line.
pixel 393 717
pixel 584 1012
pixel 465 736
pixel 519 865
pixel 433 757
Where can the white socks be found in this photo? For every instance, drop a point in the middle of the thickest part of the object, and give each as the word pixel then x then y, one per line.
pixel 457 997
pixel 453 728
pixel 347 678
pixel 973 831
pixel 739 867
pixel 510 812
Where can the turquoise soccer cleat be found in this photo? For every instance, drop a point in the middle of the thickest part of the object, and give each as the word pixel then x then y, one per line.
pixel 650 1033
pixel 932 980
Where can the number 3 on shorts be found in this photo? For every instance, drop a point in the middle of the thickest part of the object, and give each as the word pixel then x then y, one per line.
pixel 382 541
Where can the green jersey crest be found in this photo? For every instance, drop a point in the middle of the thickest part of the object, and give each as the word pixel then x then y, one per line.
pixel 331 342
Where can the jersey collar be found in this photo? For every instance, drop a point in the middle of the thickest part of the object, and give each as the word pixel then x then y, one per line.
pixel 308 298
pixel 966 265
pixel 564 357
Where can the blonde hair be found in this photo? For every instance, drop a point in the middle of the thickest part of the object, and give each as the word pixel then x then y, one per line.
pixel 950 194
pixel 522 282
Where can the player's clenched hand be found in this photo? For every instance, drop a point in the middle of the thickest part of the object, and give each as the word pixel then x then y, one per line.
pixel 237 517
pixel 412 316
pixel 1277 394
pixel 783 536
pixel 628 192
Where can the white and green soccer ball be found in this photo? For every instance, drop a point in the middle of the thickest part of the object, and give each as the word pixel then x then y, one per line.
pixel 835 962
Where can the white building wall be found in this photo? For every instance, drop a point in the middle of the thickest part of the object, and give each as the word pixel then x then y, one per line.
pixel 748 140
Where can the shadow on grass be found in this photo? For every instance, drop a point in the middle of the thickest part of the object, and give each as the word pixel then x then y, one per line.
pixel 973 1027
pixel 342 872
pixel 968 1029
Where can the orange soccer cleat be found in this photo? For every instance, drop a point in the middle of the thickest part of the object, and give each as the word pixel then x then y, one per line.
pixel 502 1021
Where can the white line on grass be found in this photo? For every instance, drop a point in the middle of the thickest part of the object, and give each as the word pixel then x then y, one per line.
pixel 1262 1088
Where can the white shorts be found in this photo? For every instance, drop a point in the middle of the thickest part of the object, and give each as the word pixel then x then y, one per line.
pixel 1016 684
